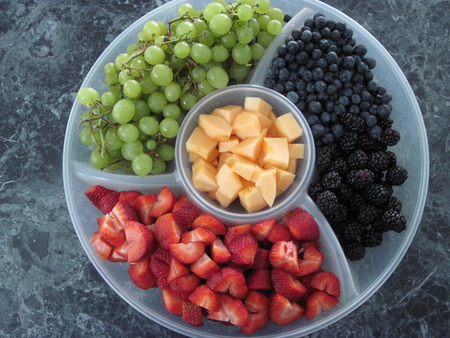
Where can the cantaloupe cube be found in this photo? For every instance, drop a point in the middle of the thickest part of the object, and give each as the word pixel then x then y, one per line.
pixel 288 127
pixel 246 183
pixel 229 112
pixel 199 162
pixel 204 178
pixel 193 157
pixel 251 199
pixel 223 173
pixel 201 144
pixel 249 148
pixel 264 121
pixel 222 159
pixel 257 104
pixel 246 125
pixel 241 166
pixel 215 127
pixel 258 170
pixel 296 150
pixel 276 151
pixel 292 167
pixel 284 179
pixel 267 185
pixel 229 190
pixel 227 145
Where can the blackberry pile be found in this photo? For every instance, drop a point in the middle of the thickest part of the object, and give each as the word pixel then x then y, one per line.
pixel 329 77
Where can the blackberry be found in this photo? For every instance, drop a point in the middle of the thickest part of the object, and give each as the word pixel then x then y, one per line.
pixel 377 193
pixel 378 161
pixel 386 122
pixel 324 157
pixel 339 165
pixel 357 201
pixel 348 142
pixel 338 218
pixel 396 175
pixel 353 122
pixel 344 193
pixel 392 158
pixel 354 251
pixel 351 231
pixel 315 189
pixel 367 214
pixel 394 204
pixel 327 202
pixel 331 180
pixel 358 160
pixel 360 178
pixel 393 221
pixel 367 143
pixel 390 137
pixel 371 238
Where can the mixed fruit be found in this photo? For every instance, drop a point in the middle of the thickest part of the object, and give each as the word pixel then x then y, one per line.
pixel 245 275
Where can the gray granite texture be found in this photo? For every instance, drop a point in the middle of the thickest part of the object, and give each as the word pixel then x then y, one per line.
pixel 49 288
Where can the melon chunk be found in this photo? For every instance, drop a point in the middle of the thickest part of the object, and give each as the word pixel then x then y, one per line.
pixel 226 146
pixel 241 166
pixel 251 199
pixel 246 125
pixel 201 144
pixel 257 104
pixel 276 152
pixel 296 150
pixel 267 185
pixel 215 127
pixel 288 127
pixel 204 178
pixel 229 112
pixel 249 148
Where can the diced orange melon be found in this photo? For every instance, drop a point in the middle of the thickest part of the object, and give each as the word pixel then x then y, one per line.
pixel 257 104
pixel 215 127
pixel 229 112
pixel 276 152
pixel 227 145
pixel 201 144
pixel 204 178
pixel 267 185
pixel 288 127
pixel 246 125
pixel 241 166
pixel 251 199
pixel 249 148
pixel 296 150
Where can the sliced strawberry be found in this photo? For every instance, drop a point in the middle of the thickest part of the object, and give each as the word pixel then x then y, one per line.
pixel 283 311
pixel 319 301
pixel 259 280
pixel 243 249
pixel 284 255
pixel 302 225
pixel 211 222
pixel 164 203
pixel 115 257
pixel 160 270
pixel 108 202
pixel 286 285
pixel 192 313
pixel 219 252
pixel 141 239
pixel 261 229
pixel 143 205
pixel 218 316
pixel 183 286
pixel 328 282
pixel 163 254
pixel 315 244
pixel 187 253
pixel 109 231
pixel 261 261
pixel 311 262
pixel 181 198
pixel 141 275
pixel 234 309
pixel 216 282
pixel 235 231
pixel 279 232
pixel 171 302
pixel 236 282
pixel 102 248
pixel 199 235
pixel 122 250
pixel 122 212
pixel 167 231
pixel 206 298
pixel 129 196
pixel 95 194
pixel 177 269
pixel 185 212
pixel 204 267
pixel 258 306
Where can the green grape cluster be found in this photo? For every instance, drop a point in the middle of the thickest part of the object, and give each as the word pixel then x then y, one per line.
pixel 161 76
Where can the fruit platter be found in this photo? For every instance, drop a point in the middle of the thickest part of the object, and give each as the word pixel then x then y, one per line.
pixel 246 169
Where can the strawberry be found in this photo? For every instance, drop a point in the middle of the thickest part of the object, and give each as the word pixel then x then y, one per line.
pixel 102 248
pixel 206 298
pixel 279 232
pixel 122 251
pixel 286 285
pixel 204 267
pixel 284 255
pixel 166 230
pixel 122 212
pixel 164 202
pixel 302 225
pixel 185 212
pixel 258 306
pixel 141 275
pixel 199 235
pixel 143 205
pixel 315 244
pixel 187 253
pixel 235 231
pixel 261 229
pixel 328 282
pixel 219 252
pixel 319 301
pixel 95 194
pixel 210 222
pixel 177 269
pixel 312 261
pixel 163 254
pixel 181 198
pixel 171 302
pixel 160 270
pixel 235 281
pixel 107 202
pixel 141 239
pixel 109 231
pixel 234 309
pixel 183 286
pixel 282 311
pixel 261 261
pixel 192 313
pixel 116 257
pixel 129 196
pixel 243 249
pixel 259 280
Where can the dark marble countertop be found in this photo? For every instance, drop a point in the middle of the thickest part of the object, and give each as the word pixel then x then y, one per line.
pixel 49 288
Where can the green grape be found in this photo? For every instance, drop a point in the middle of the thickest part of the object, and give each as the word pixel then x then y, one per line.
pixel 113 141
pixel 128 132
pixel 241 53
pixel 169 127
pixel 87 96
pixel 108 98
pixel 149 125
pixel 244 34
pixel 263 21
pixel 97 160
pixel 186 29
pixel 110 69
pixel 245 12
pixel 116 92
pixel 176 62
pixel 229 39
pixel 147 85
pixel 182 49
pixel 131 149
pixel 123 111
pixel 219 53
pixel 150 144
pixel 156 102
pixel 217 77
pixel 141 110
pixel 255 25
pixel 161 75
pixel 121 58
pixel 159 167
pixel 220 23
pixel 198 74
pixel 143 137
pixel 172 110
pixel 115 163
pixel 205 87
pixel 222 2
pixel 124 76
pixel 265 38
pixel 188 100
pixel 160 42
pixel 212 9
pixel 85 136
pixel 132 88
pixel 200 25
pixel 274 27
pixel 132 48
pixel 142 164
pixel 165 152
pixel 200 53
pixel 163 27
pixel 257 51
pixel 152 29
pixel 239 72
pixel 262 6
pixel 186 8
pixel 154 55
pixel 96 138
pixel 275 14
pixel 247 2
pixel 207 38
pixel 111 81
pixel 172 91
pixel 142 36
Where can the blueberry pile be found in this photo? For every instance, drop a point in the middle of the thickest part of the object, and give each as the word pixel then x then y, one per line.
pixel 329 77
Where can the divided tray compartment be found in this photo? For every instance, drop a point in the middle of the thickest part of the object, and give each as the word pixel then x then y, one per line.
pixel 359 280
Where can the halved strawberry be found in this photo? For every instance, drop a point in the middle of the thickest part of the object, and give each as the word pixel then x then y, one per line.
pixel 219 252
pixel 164 202
pixel 141 239
pixel 328 282
pixel 206 298
pixel 109 231
pixel 261 229
pixel 163 254
pixel 211 222
pixel 143 205
pixel 284 255
pixel 204 267
pixel 171 302
pixel 259 280
pixel 185 212
pixel 319 301
pixel 96 192
pixel 234 309
pixel 192 313
pixel 282 311
pixel 108 202
pixel 311 261
pixel 235 231
pixel 261 261
pixel 122 212
pixel 102 248
pixel 166 230
pixel 315 244
pixel 177 269
pixel 115 257
pixel 141 275
pixel 129 196
pixel 236 282
pixel 187 253
pixel 198 235
pixel 122 251
pixel 160 270
pixel 243 249
pixel 183 286
pixel 302 225
pixel 286 285
pixel 258 305
pixel 279 232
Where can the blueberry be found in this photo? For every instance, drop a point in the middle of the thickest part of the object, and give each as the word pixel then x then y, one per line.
pixel 345 75
pixel 312 119
pixel 288 39
pixel 283 73
pixel 368 76
pixel 306 35
pixel 335 35
pixel 232 82
pixel 289 57
pixel 371 62
pixel 293 76
pixel 269 82
pixel 344 100
pixel 322 97
pixel 375 132
pixel 317 73
pixel 289 86
pixel 381 90
pixel 278 87
pixel 300 84
pixel 287 18
pixel 315 107
pixel 296 34
pixel 322 63
pixel 354 109
pixel 339 108
pixel 316 37
pixel 328 138
pixel 318 131
pixel 320 86
pixel 301 57
pixel 292 96
pixel 331 89
pixel 309 23
pixel 364 105
pixel 293 67
pixel 325 32
pixel 362 68
pixel 306 75
pixel 348 62
pixel 282 50
pixel 386 97
pixel 341 26
pixel 292 47
pixel 384 111
pixel 371 120
pixel 361 50
pixel 328 77
pixel 325 117
pixel 333 67
pixel 348 33
pixel 347 49
pixel 310 88
pixel 358 88
pixel 337 130
pixel 356 99
pixel 301 105
pixel 278 62
pixel 272 72
pixel 331 24
pixel 320 22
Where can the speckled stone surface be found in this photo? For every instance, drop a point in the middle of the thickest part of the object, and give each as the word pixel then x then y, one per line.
pixel 49 288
